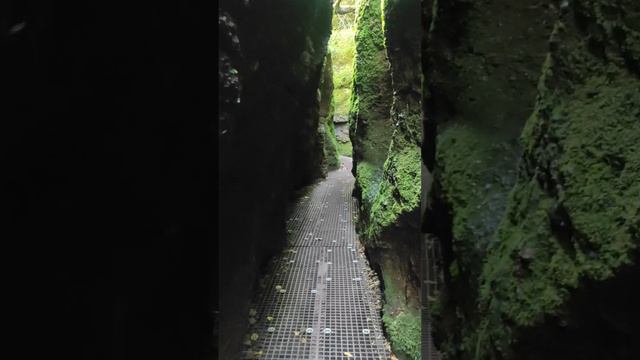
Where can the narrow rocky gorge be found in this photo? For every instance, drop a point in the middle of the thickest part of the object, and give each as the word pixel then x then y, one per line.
pixel 492 211
pixel 384 117
pixel 497 138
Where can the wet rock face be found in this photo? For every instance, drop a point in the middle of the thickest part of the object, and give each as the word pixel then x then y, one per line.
pixel 272 138
pixel 529 248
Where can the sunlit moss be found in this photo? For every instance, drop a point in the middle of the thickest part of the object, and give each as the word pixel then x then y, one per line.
pixel 369 124
pixel 399 191
pixel 342 47
pixel 371 78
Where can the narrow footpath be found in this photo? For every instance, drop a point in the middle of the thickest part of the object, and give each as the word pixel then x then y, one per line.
pixel 320 299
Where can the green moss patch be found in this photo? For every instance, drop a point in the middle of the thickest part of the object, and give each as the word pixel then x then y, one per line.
pixel 370 124
pixel 574 213
pixel 404 331
pixel 331 148
pixel 401 320
pixel 368 178
pixel 342 47
pixel 399 191
pixel 345 148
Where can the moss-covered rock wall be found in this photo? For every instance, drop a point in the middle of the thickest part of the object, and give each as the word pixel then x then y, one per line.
pixel 272 135
pixel 565 263
pixel 370 126
pixel 533 123
pixel 393 226
pixel 386 132
pixel 326 128
pixel 342 46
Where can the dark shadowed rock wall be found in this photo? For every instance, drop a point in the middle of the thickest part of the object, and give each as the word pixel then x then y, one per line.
pixel 271 136
pixel 107 127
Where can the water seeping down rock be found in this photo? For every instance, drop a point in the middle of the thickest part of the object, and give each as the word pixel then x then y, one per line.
pixel 386 120
pixel 276 136
pixel 531 137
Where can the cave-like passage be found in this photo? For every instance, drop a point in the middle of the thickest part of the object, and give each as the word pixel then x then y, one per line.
pixel 318 300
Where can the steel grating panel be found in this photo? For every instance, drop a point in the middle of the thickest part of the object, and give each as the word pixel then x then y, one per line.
pixel 316 301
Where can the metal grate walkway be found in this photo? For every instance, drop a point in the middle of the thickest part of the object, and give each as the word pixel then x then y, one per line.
pixel 320 299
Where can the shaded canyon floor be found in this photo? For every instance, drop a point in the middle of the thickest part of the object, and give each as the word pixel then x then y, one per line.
pixel 319 298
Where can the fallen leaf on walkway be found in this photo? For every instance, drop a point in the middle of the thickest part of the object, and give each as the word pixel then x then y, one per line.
pixel 252 321
pixel 252 312
pixel 269 318
pixel 296 333
pixel 254 337
pixel 347 354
